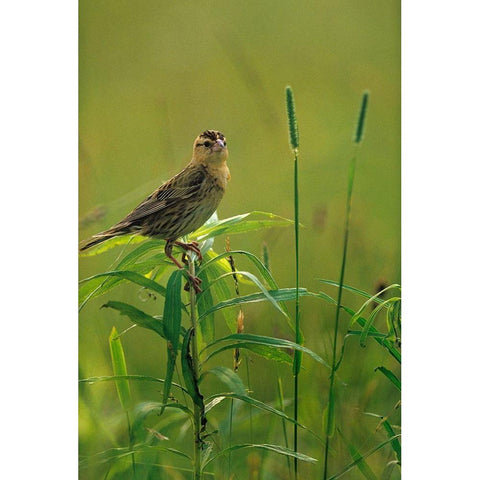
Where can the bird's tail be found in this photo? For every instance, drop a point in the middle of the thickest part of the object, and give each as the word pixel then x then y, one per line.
pixel 101 237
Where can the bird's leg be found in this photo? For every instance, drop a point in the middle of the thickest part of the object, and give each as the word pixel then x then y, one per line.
pixel 195 281
pixel 192 246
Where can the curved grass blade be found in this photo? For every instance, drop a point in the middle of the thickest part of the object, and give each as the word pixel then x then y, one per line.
pixel 257 282
pixel 260 405
pixel 172 319
pixel 228 377
pixel 371 318
pixel 269 353
pixel 282 294
pixel 264 446
pixel 238 339
pixel 362 457
pixel 358 291
pixel 391 376
pixel 111 243
pixel 114 454
pixel 138 317
pixel 370 300
pixel 362 465
pixel 238 224
pixel 395 442
pixel 141 378
pixel 206 332
pixel 120 369
pixel 144 409
pixel 129 275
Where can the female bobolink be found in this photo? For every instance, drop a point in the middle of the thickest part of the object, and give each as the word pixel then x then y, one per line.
pixel 183 203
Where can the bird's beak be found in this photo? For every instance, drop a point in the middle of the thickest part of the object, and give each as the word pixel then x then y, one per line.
pixel 219 145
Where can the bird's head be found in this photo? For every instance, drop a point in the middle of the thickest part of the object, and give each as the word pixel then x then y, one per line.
pixel 210 148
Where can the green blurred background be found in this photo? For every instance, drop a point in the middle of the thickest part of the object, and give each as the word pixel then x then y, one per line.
pixel 153 75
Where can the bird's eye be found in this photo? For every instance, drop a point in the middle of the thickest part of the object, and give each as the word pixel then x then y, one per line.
pixel 208 144
pixel 225 142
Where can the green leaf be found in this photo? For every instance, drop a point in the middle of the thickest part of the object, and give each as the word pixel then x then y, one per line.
pixel 257 282
pixel 395 441
pixel 366 455
pixel 172 319
pixel 141 378
pixel 269 353
pixel 222 292
pixel 111 243
pixel 142 410
pixel 131 276
pixel 280 295
pixel 120 368
pixel 384 342
pixel 371 319
pixel 359 292
pixel 264 446
pixel 229 378
pixel 362 465
pixel 205 302
pixel 114 454
pixel 257 404
pixel 391 376
pixel 239 339
pixel 189 373
pixel 239 224
pixel 138 317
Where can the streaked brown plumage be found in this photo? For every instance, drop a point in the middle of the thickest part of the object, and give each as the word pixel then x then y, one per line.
pixel 183 203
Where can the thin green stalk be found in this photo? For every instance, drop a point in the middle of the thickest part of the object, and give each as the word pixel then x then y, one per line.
pixel 197 413
pixel 294 143
pixel 351 175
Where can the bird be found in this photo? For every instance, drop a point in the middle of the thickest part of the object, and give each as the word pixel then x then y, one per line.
pixel 180 205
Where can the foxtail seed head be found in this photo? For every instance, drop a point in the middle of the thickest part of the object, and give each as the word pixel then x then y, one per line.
pixel 292 119
pixel 361 118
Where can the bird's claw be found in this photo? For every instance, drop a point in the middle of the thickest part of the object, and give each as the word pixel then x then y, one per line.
pixel 195 281
pixel 190 247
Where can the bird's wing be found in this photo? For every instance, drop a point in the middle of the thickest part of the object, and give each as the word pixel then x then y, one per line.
pixel 181 187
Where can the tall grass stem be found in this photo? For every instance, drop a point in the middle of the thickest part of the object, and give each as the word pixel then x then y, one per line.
pixel 351 176
pixel 294 143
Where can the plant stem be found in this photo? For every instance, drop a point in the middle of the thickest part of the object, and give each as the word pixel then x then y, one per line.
pixel 297 318
pixel 351 176
pixel 197 413
pixel 337 310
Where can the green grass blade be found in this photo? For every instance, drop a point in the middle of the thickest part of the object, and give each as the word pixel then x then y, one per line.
pixel 114 454
pixel 229 378
pixel 362 457
pixel 248 338
pixel 141 378
pixel 257 282
pixel 206 331
pixel 362 465
pixel 240 224
pixel 280 295
pixel 120 368
pixel 111 243
pixel 128 275
pixel 172 319
pixel 258 404
pixel 391 376
pixel 138 317
pixel 371 319
pixel 265 446
pixel 395 441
